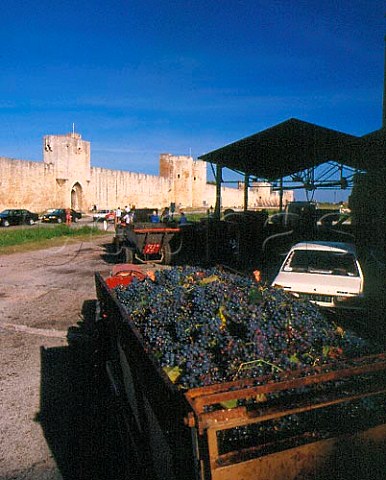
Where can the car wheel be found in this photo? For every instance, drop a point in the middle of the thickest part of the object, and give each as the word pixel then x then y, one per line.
pixel 30 221
pixel 6 223
pixel 59 220
pixel 76 219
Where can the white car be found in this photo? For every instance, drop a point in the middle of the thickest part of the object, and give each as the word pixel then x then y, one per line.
pixel 326 273
pixel 101 215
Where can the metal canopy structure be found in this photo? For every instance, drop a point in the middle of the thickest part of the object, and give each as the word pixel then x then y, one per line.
pixel 297 147
pixel 288 148
pixel 374 149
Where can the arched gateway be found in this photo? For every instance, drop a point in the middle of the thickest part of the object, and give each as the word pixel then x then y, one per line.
pixel 76 196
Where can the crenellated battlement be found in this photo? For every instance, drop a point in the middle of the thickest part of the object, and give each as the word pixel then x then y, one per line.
pixel 66 178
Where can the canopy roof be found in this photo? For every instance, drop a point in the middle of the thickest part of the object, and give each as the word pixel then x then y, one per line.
pixel 292 146
pixel 374 149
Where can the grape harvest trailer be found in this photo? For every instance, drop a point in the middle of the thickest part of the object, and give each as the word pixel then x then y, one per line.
pixel 317 423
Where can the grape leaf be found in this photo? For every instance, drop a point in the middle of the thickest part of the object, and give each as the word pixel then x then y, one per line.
pixel 255 296
pixel 294 358
pixel 228 404
pixel 206 280
pixel 173 373
pixel 222 316
pixel 325 350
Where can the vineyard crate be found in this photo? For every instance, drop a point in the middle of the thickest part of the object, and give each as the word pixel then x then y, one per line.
pixel 203 434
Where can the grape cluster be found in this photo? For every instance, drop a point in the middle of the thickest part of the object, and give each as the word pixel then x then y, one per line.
pixel 211 326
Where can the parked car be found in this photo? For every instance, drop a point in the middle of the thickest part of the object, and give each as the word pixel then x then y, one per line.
pixel 327 273
pixel 59 216
pixel 101 215
pixel 17 217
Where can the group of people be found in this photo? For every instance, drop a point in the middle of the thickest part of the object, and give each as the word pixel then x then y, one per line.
pixel 125 216
pixel 167 217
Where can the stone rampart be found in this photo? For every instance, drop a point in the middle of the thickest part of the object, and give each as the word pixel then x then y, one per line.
pixel 66 178
pixel 27 184
pixel 117 188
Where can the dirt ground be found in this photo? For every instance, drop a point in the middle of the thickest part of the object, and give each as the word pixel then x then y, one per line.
pixel 54 416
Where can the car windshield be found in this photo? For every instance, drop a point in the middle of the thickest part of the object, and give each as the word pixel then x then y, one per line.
pixel 316 261
pixel 56 212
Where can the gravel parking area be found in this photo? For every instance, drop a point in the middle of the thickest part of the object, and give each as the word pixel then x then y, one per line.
pixel 55 418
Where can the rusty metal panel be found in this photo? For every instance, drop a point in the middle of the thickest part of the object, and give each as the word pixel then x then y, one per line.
pixel 360 456
pixel 200 398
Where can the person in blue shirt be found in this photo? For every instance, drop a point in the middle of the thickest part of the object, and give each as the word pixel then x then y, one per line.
pixel 154 218
pixel 183 218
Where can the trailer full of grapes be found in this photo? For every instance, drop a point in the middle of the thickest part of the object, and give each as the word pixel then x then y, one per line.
pixel 222 378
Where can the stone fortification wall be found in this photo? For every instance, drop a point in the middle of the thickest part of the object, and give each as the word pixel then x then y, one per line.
pixel 27 184
pixel 65 178
pixel 116 188
pixel 258 197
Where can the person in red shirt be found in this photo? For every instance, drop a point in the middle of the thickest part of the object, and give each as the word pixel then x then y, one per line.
pixel 68 216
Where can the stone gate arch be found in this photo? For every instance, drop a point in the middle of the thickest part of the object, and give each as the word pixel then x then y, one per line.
pixel 76 196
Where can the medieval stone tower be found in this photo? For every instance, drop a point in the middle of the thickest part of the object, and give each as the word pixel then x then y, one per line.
pixel 186 178
pixel 69 157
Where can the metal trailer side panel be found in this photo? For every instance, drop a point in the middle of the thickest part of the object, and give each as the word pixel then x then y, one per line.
pixel 360 456
pixel 160 415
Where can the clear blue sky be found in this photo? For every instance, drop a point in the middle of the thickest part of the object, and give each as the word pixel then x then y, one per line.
pixel 143 77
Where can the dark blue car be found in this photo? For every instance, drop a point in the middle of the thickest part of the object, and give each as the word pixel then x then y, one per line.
pixel 59 216
pixel 17 217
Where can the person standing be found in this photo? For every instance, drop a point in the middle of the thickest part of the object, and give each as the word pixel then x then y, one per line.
pixel 127 218
pixel 118 214
pixel 165 215
pixel 183 220
pixel 68 217
pixel 154 217
pixel 132 214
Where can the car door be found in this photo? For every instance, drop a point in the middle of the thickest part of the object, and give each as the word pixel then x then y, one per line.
pixel 16 217
pixel 23 216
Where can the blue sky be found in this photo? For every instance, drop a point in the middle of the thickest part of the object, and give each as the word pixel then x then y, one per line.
pixel 143 77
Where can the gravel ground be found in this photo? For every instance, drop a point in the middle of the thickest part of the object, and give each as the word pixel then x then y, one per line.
pixel 55 418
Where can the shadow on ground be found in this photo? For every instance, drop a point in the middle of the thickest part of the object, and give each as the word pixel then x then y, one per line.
pixel 77 410
pixel 110 255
